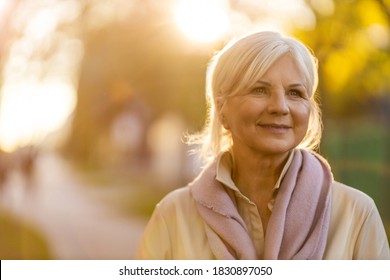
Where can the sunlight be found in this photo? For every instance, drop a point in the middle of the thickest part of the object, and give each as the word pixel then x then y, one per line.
pixel 3 4
pixel 42 24
pixel 202 20
pixel 31 111
pixel 206 21
pixel 290 14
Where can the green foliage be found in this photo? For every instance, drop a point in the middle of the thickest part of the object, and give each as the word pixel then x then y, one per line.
pixel 353 48
pixel 358 152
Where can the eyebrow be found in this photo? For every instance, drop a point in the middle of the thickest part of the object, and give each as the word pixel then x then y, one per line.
pixel 298 85
pixel 291 85
pixel 264 82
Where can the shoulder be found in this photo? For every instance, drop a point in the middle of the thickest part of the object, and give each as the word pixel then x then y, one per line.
pixel 176 197
pixel 347 196
pixel 178 202
pixel 350 207
pixel 356 230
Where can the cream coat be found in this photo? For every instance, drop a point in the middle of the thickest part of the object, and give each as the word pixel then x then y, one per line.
pixel 176 230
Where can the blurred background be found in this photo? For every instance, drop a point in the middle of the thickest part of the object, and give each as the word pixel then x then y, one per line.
pixel 96 95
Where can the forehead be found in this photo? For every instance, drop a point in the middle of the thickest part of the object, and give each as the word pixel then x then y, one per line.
pixel 285 71
pixel 286 65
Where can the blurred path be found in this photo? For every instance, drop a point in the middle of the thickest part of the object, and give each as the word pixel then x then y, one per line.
pixel 76 224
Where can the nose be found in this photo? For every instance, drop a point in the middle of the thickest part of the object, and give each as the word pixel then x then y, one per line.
pixel 278 103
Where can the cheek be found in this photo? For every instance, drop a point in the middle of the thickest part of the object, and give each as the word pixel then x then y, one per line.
pixel 236 114
pixel 250 109
pixel 302 115
pixel 305 119
pixel 246 116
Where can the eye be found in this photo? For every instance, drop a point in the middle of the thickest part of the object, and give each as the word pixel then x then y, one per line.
pixel 259 90
pixel 294 92
pixel 297 93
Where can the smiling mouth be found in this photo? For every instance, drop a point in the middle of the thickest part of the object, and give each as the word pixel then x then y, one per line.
pixel 275 126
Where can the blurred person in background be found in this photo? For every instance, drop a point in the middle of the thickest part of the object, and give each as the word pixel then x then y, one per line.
pixel 27 157
pixel 264 192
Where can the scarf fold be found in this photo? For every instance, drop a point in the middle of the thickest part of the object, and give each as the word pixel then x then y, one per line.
pixel 299 222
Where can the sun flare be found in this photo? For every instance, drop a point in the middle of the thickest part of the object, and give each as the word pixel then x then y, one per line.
pixel 31 111
pixel 202 20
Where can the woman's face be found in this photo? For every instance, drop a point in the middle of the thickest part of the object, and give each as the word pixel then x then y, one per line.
pixel 271 117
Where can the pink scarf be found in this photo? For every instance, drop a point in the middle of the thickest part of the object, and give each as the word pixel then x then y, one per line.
pixel 298 226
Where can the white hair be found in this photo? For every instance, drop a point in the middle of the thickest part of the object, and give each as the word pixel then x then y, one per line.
pixel 236 68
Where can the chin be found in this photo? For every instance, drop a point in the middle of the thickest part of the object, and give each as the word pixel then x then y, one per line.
pixel 277 148
pixel 274 151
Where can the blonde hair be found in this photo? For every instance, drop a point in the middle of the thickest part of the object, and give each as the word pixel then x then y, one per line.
pixel 236 68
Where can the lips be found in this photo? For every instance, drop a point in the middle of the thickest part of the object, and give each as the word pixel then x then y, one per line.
pixel 275 128
pixel 274 125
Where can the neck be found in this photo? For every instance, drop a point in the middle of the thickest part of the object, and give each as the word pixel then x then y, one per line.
pixel 257 172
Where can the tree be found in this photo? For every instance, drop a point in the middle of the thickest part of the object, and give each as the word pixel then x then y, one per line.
pixel 353 47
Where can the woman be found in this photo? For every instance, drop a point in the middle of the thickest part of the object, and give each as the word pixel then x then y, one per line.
pixel 264 193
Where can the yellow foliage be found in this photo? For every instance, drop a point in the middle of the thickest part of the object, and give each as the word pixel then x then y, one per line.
pixel 343 65
pixel 337 71
pixel 370 13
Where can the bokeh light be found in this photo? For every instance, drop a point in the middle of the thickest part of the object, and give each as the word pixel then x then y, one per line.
pixel 31 111
pixel 202 20
pixel 121 83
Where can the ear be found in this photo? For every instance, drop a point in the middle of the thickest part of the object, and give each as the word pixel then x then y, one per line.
pixel 221 109
pixel 224 122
